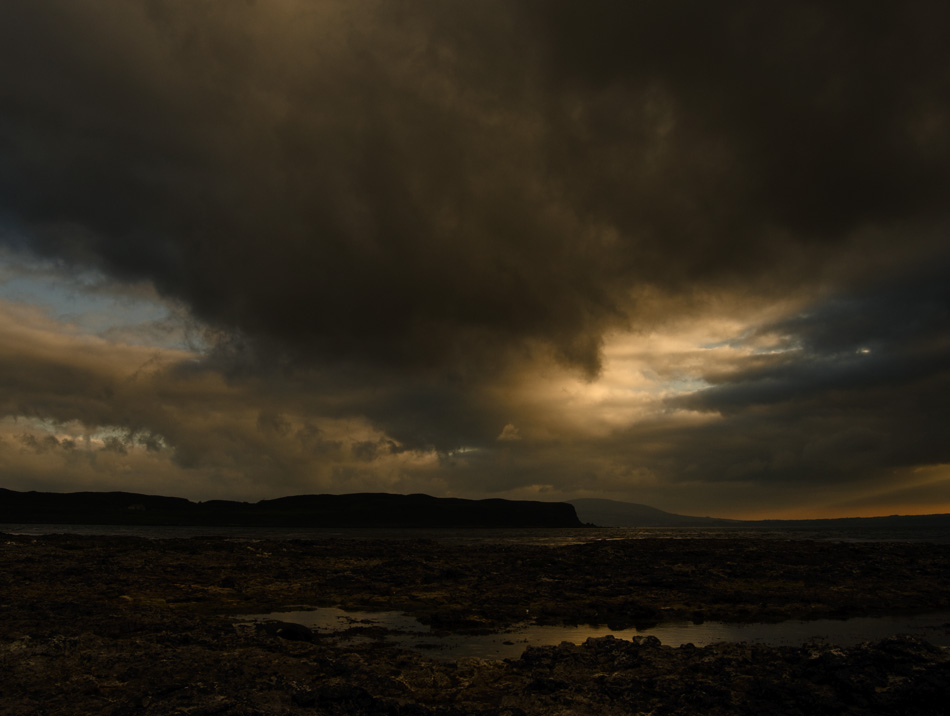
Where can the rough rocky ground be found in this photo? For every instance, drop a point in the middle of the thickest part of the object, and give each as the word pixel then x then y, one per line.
pixel 107 625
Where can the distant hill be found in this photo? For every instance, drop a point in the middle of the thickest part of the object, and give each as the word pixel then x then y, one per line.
pixel 354 510
pixel 612 513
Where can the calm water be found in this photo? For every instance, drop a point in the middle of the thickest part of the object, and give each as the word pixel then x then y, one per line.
pixel 357 627
pixel 536 536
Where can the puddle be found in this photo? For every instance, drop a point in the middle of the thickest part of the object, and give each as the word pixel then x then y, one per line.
pixel 327 620
pixel 405 630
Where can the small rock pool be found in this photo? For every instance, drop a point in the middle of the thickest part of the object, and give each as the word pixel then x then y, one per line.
pixel 404 630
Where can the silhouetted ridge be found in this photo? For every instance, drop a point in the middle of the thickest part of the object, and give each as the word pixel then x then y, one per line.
pixel 354 510
pixel 613 513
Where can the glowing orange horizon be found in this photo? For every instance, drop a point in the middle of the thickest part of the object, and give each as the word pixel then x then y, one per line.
pixel 811 513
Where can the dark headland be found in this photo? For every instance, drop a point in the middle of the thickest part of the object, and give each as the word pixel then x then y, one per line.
pixel 353 510
pixel 387 510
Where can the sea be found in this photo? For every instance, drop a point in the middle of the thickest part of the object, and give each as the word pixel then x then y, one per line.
pixel 525 536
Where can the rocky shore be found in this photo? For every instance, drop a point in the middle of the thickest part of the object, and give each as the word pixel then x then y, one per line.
pixel 123 625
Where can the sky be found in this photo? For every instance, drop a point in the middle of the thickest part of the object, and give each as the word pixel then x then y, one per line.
pixel 685 254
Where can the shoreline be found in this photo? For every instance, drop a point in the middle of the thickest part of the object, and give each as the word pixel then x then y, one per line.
pixel 88 609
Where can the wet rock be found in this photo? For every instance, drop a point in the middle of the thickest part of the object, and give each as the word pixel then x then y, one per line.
pixel 288 630
pixel 143 627
pixel 545 685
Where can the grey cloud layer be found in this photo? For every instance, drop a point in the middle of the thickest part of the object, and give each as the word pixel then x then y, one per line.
pixel 858 386
pixel 418 181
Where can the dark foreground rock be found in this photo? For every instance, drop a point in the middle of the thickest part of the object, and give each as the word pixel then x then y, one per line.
pixel 93 625
pixel 247 671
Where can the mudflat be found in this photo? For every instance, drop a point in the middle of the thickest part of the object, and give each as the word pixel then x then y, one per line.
pixel 126 625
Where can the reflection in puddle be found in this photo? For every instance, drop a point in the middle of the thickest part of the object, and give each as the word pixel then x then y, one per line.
pixel 405 630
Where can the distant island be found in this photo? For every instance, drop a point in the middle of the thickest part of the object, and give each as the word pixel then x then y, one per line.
pixel 354 510
pixel 613 513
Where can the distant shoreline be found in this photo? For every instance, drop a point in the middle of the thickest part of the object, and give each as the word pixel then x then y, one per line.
pixel 612 513
pixel 386 510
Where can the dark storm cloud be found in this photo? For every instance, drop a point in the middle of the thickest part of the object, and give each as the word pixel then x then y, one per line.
pixel 429 184
pixel 342 198
pixel 813 118
pixel 857 383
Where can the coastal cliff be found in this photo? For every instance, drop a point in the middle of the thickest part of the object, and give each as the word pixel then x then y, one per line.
pixel 353 510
